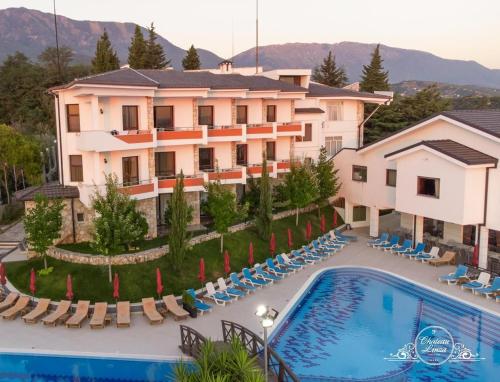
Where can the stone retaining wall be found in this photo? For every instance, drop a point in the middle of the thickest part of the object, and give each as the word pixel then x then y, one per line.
pixel 153 253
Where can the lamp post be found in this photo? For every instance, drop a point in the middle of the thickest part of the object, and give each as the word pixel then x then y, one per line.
pixel 267 316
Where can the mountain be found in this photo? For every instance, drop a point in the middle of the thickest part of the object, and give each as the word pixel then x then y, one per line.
pixel 402 64
pixel 409 88
pixel 31 31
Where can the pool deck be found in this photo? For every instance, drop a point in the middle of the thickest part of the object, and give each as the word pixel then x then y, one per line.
pixel 144 341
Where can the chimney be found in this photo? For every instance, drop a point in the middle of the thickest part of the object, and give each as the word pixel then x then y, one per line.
pixel 226 66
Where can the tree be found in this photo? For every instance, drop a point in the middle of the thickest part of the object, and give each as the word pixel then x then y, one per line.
pixel 329 74
pixel 155 56
pixel 326 176
pixel 42 224
pixel 221 205
pixel 137 50
pixel 373 76
pixel 192 60
pixel 49 61
pixel 105 58
pixel 300 187
pixel 179 216
pixel 264 218
pixel 118 223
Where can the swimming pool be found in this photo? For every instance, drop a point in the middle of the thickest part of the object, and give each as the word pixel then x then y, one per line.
pixel 349 321
pixel 15 367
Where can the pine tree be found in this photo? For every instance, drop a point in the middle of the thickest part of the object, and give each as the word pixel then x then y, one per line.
pixel 105 58
pixel 326 176
pixel 329 74
pixel 137 50
pixel 374 77
pixel 155 56
pixel 264 218
pixel 192 60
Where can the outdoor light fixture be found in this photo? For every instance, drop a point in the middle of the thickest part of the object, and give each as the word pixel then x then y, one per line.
pixel 267 317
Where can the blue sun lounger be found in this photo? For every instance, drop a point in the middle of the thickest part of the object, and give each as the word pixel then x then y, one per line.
pixel 341 236
pixel 198 304
pixel 291 264
pixel 238 283
pixel 307 257
pixel 271 266
pixel 253 280
pixel 393 243
pixel 327 240
pixel 316 246
pixel 489 290
pixel 380 240
pixel 260 273
pixel 452 278
pixel 415 252
pixel 322 243
pixel 401 249
pixel 481 282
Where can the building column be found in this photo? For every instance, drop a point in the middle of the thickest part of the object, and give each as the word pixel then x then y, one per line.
pixel 483 247
pixel 374 221
pixel 419 229
pixel 348 212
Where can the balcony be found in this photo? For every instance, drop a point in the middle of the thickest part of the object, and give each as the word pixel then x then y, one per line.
pixel 283 166
pixel 229 176
pixel 182 136
pixel 226 133
pixel 261 131
pixel 143 189
pixel 290 129
pixel 255 170
pixel 192 183
pixel 102 141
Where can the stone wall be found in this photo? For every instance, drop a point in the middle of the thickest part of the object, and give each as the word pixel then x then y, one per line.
pixel 148 208
pixel 193 199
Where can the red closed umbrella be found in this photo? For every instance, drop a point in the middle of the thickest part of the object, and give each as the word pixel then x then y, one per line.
pixel 32 282
pixel 3 275
pixel 334 223
pixel 308 230
pixel 116 287
pixel 159 283
pixel 475 255
pixel 290 239
pixel 201 274
pixel 69 288
pixel 227 264
pixel 250 254
pixel 323 223
pixel 272 244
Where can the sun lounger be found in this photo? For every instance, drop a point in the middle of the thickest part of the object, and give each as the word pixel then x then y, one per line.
pixel 447 258
pixel 172 307
pixel 498 298
pixel 218 297
pixel 481 282
pixel 336 239
pixel 322 255
pixel 81 313
pixel 60 315
pixel 382 239
pixel 41 308
pixel 98 320
pixel 426 256
pixel 254 281
pixel 9 301
pixel 323 240
pixel 306 257
pixel 330 238
pixel 489 291
pixel 150 311
pixel 328 248
pixel 20 307
pixel 341 236
pixel 292 265
pixel 198 304
pixel 123 314
pixel 275 270
pixel 393 243
pixel 418 250
pixel 262 274
pixel 401 249
pixel 459 274
pixel 231 292
pixel 240 284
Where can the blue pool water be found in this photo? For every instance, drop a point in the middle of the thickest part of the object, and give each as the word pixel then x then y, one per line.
pixel 44 368
pixel 350 320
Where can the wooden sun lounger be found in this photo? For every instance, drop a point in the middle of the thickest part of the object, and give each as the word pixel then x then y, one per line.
pixel 81 313
pixel 149 309
pixel 21 307
pixel 174 308
pixel 98 320
pixel 41 308
pixel 123 314
pixel 447 258
pixel 9 301
pixel 60 315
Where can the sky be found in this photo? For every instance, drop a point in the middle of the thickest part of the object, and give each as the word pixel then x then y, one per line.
pixel 455 29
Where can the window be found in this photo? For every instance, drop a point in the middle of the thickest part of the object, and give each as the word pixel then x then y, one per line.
pixel 130 117
pixel 76 168
pixel 428 186
pixel 359 173
pixel 359 213
pixel 469 235
pixel 241 114
pixel 206 115
pixel 390 177
pixel 334 112
pixel 333 145
pixel 130 170
pixel 434 227
pixel 73 118
pixel 307 134
pixel 271 150
pixel 241 155
pixel 165 164
pixel 294 80
pixel 206 158
pixel 79 217
pixel 271 113
pixel 164 117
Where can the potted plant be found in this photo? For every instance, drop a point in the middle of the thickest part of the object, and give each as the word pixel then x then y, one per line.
pixel 188 304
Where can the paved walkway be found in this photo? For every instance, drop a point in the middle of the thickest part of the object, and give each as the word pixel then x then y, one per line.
pixel 162 341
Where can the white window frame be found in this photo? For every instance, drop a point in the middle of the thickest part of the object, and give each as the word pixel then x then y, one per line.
pixel 333 144
pixel 334 111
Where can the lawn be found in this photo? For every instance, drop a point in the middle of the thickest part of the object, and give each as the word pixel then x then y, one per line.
pixel 139 280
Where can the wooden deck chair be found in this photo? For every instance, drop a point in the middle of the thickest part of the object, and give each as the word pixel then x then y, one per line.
pixel 60 315
pixel 81 313
pixel 9 301
pixel 150 311
pixel 41 308
pixel 123 314
pixel 447 258
pixel 174 308
pixel 21 307
pixel 98 320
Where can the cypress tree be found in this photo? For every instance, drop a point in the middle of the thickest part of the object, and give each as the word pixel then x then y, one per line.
pixel 192 60
pixel 329 74
pixel 155 56
pixel 264 218
pixel 105 58
pixel 137 49
pixel 374 77
pixel 326 176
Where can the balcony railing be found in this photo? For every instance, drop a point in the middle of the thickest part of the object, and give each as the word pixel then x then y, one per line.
pixel 225 133
pixel 180 134
pixel 138 187
pixel 104 140
pixel 191 183
pixel 257 131
pixel 256 169
pixel 289 129
pixel 133 136
pixel 226 174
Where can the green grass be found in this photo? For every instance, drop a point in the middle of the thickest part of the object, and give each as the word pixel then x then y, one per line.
pixel 139 280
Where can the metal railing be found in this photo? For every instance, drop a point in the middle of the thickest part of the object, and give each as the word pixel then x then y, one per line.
pixel 191 341
pixel 255 346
